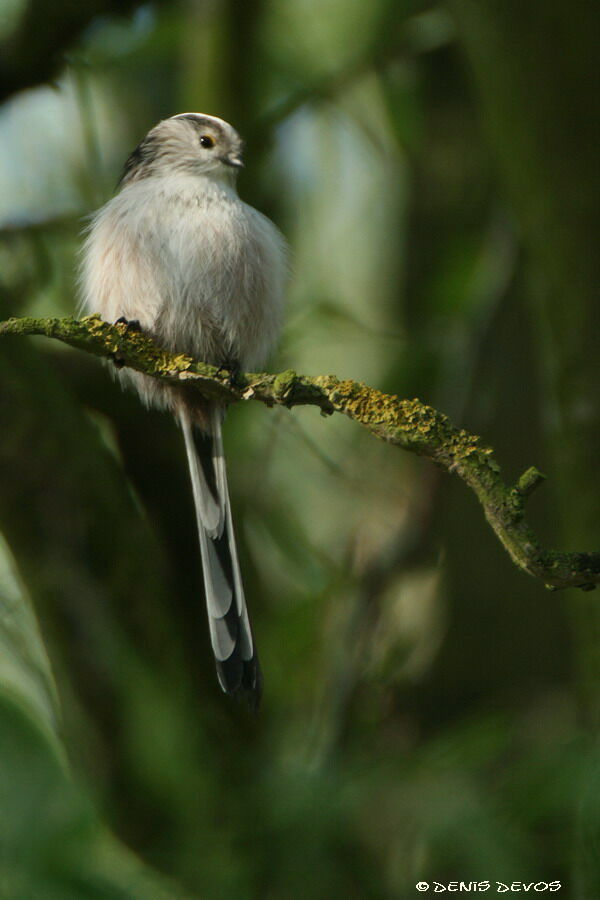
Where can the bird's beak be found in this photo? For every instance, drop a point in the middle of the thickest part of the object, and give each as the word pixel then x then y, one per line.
pixel 233 160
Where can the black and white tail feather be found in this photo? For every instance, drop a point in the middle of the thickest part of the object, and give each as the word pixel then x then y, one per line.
pixel 238 669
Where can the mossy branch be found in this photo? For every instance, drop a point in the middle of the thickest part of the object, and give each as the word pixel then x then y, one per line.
pixel 409 424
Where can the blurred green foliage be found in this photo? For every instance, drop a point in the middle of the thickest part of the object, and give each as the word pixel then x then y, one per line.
pixel 429 712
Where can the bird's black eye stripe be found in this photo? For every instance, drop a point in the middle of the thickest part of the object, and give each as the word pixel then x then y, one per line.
pixel 206 141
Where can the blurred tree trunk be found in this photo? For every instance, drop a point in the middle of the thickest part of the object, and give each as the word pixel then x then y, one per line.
pixel 549 170
pixel 532 66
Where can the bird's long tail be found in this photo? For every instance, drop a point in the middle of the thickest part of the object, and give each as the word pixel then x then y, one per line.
pixel 236 659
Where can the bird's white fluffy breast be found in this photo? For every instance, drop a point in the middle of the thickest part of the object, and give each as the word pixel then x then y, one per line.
pixel 192 263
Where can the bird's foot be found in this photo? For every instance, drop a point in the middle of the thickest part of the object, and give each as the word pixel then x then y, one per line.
pixel 132 324
pixel 233 369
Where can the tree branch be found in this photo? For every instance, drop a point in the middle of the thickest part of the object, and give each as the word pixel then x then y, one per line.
pixel 409 424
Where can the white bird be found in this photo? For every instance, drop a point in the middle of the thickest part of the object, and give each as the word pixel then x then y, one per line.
pixel 178 252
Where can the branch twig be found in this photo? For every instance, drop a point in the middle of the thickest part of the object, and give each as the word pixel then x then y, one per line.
pixel 409 424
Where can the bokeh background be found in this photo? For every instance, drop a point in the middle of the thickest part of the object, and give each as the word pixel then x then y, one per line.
pixel 430 712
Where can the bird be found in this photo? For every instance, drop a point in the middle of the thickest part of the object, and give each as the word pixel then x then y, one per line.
pixel 176 253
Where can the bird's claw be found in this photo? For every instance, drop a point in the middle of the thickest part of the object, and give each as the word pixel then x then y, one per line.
pixel 131 324
pixel 233 369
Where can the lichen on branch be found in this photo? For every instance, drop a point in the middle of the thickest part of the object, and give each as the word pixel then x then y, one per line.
pixel 408 424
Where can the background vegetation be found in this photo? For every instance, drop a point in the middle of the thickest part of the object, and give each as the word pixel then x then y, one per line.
pixel 430 712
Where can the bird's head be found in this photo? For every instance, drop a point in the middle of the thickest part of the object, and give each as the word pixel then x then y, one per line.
pixel 189 142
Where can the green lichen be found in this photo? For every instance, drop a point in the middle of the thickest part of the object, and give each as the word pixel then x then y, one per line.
pixel 283 384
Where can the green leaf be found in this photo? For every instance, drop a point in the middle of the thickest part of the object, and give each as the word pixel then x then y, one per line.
pixel 52 844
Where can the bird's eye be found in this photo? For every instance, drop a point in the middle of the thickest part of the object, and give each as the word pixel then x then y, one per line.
pixel 206 141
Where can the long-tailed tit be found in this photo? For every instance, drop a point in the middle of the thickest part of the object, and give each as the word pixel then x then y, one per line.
pixel 177 251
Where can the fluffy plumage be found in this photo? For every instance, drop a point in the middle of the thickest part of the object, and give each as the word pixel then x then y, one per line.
pixel 204 273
